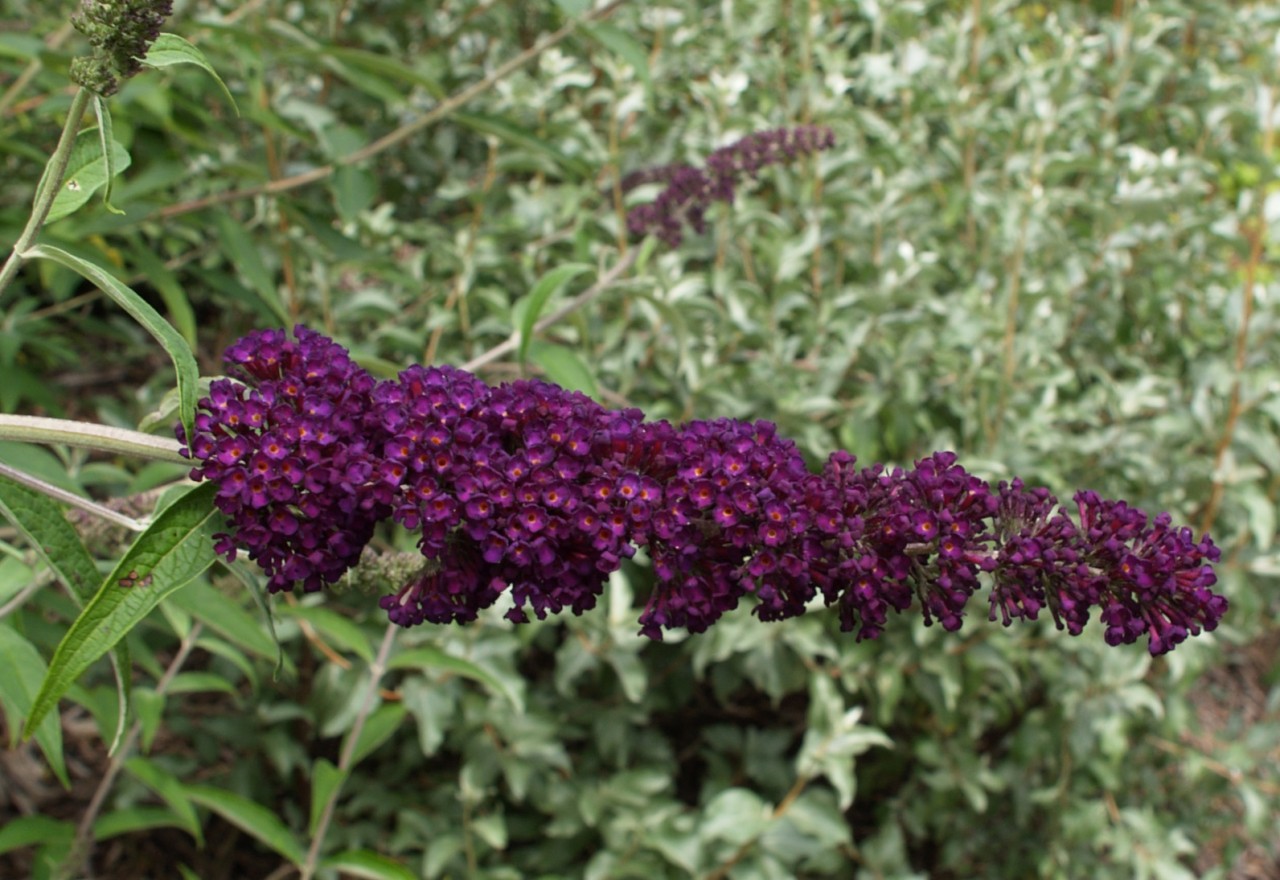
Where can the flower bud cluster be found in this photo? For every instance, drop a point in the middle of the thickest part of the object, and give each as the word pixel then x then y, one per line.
pixel 690 191
pixel 537 491
pixel 121 32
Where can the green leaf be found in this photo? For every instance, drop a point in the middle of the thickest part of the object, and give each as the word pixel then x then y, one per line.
pixel 108 143
pixel 564 367
pixel 251 818
pixel 242 251
pixel 87 172
pixel 508 131
pixel 354 190
pixel 166 557
pixel 622 44
pixel 42 523
pixel 171 49
pixel 736 815
pixel 574 8
pixel 184 362
pixel 334 627
pixel 24 668
pixel 325 780
pixel 201 682
pixel 131 819
pixel 223 615
pixel 378 729
pixel 529 309
pixel 426 657
pixel 358 75
pixel 54 539
pixel 33 831
pixel 385 65
pixel 170 790
pixel 362 863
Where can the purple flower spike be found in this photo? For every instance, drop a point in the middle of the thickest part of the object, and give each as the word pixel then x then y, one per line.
pixel 539 491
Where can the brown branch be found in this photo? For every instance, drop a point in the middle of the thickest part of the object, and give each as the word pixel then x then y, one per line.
pixel 395 137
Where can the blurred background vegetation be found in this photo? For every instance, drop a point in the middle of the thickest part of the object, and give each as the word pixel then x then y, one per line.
pixel 1045 240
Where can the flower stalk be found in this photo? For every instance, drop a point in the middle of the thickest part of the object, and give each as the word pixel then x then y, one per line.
pixel 50 183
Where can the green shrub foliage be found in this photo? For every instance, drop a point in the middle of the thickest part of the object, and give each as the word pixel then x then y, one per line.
pixel 1039 235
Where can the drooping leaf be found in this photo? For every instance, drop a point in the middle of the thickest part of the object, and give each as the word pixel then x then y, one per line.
pixel 170 789
pixel 529 309
pixel 88 170
pixel 171 49
pixel 184 362
pixel 108 143
pixel 253 819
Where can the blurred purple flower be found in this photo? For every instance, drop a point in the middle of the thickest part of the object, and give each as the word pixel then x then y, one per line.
pixel 690 191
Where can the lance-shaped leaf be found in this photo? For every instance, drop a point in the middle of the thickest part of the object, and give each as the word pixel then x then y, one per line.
pixel 184 362
pixel 166 557
pixel 42 523
pixel 171 49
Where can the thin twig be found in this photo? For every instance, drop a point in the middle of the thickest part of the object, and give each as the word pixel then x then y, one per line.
pixel 60 494
pixel 604 283
pixel 83 845
pixel 399 135
pixel 376 671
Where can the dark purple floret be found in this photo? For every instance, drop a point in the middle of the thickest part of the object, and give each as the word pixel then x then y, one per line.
pixel 291 442
pixel 525 475
pixel 884 539
pixel 730 523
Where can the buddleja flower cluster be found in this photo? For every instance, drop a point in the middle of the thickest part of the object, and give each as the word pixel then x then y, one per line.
pixel 540 493
pixel 120 32
pixel 690 191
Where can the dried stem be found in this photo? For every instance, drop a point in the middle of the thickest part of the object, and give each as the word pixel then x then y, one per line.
pixel 83 845
pixel 376 671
